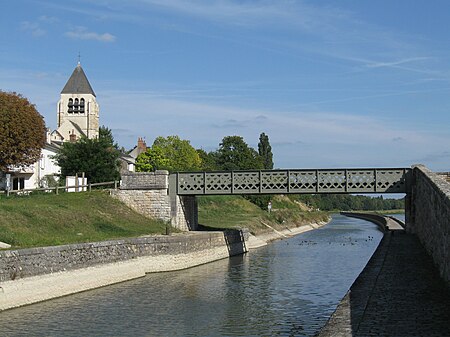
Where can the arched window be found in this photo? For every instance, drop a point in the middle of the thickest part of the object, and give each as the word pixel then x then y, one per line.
pixel 82 105
pixel 75 105
pixel 70 105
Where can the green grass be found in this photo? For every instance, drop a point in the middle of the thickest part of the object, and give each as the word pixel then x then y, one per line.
pixel 237 212
pixel 48 219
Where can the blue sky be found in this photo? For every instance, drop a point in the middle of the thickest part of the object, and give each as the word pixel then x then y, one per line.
pixel 333 83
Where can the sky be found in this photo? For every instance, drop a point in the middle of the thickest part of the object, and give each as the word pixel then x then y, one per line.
pixel 334 84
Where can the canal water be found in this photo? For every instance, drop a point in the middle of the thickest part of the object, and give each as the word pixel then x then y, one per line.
pixel 288 288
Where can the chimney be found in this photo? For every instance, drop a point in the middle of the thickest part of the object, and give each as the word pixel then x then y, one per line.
pixel 141 146
pixel 73 137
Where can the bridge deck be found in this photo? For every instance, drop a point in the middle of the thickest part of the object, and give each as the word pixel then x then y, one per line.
pixel 370 180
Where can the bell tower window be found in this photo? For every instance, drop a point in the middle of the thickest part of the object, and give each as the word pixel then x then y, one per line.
pixel 70 106
pixel 82 105
pixel 76 105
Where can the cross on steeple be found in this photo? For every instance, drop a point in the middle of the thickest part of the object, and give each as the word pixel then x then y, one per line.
pixel 79 58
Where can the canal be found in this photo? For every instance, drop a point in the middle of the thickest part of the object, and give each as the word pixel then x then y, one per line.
pixel 288 288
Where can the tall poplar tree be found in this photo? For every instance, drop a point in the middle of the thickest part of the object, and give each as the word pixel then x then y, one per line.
pixel 265 151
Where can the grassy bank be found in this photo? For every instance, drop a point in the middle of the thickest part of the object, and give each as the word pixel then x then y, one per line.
pixel 237 212
pixel 48 219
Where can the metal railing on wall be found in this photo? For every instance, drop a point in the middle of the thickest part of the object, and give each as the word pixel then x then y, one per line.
pixel 58 189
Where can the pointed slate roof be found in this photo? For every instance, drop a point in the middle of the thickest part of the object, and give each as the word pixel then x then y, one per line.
pixel 78 83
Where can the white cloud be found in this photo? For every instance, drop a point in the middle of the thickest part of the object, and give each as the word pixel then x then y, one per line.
pixel 395 63
pixel 81 33
pixel 254 13
pixel 33 28
pixel 48 19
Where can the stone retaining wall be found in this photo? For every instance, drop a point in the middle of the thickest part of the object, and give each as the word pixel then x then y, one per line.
pixel 23 263
pixel 150 203
pixel 145 180
pixel 430 216
pixel 148 194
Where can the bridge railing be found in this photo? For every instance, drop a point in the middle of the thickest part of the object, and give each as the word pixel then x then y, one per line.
pixel 379 180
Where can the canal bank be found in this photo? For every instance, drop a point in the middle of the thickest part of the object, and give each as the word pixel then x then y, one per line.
pixel 32 275
pixel 399 292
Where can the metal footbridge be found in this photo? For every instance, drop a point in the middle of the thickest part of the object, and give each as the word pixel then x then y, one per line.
pixel 295 181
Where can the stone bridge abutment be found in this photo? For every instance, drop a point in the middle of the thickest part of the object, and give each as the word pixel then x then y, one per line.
pixel 148 194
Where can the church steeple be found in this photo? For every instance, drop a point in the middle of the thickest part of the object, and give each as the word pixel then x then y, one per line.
pixel 78 83
pixel 78 110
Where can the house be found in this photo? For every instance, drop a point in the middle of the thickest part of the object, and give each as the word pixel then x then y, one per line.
pixel 128 160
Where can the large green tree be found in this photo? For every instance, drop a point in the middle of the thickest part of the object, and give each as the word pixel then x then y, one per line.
pixel 208 160
pixel 169 153
pixel 235 154
pixel 151 160
pixel 22 131
pixel 265 151
pixel 97 158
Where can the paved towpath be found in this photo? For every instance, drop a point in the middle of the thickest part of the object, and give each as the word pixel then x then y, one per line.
pixel 398 294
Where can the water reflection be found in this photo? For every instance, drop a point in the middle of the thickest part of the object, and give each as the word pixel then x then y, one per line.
pixel 288 288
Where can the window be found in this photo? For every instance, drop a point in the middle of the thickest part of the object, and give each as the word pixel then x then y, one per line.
pixel 76 105
pixel 70 105
pixel 18 183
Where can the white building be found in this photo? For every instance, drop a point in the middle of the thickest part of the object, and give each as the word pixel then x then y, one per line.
pixel 77 115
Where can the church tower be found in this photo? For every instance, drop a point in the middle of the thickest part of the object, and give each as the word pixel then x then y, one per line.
pixel 78 110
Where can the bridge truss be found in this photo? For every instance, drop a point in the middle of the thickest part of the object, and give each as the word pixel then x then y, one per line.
pixel 386 180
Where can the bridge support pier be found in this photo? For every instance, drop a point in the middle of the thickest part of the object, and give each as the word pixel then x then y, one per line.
pixel 150 194
pixel 183 209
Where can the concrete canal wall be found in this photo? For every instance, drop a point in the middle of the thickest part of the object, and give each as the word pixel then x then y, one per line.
pixel 37 274
pixel 384 223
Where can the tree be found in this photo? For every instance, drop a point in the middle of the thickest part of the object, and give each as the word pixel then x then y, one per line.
pixel 22 131
pixel 208 160
pixel 105 135
pixel 151 160
pixel 265 151
pixel 97 158
pixel 171 153
pixel 235 154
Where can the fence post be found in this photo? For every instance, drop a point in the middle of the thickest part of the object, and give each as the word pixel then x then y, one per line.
pixel 57 189
pixel 90 187
pixel 115 184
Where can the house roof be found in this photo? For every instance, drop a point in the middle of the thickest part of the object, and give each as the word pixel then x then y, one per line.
pixel 76 126
pixel 78 83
